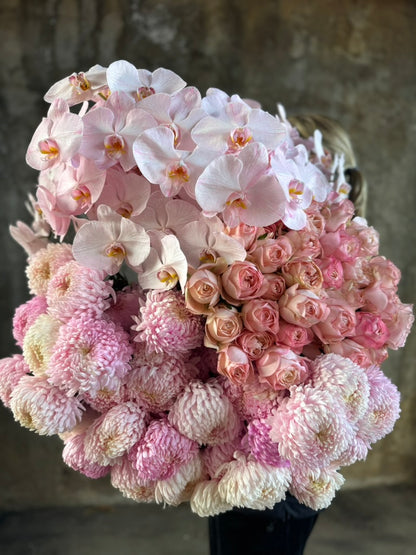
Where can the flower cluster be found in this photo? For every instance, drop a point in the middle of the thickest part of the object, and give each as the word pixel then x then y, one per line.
pixel 214 331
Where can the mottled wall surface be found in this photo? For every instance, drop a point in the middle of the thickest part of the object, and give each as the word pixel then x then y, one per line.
pixel 352 60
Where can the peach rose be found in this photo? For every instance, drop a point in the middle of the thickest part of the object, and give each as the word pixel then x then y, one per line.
pixel 202 291
pixel 271 254
pixel 261 315
pixel 339 324
pixel 222 326
pixel 234 363
pixel 242 281
pixel 273 287
pixel 302 307
pixel 255 343
pixel 281 368
pixel 304 272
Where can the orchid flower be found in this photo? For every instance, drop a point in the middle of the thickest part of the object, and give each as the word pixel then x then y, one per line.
pixel 301 182
pixel 123 76
pixel 170 168
pixel 125 193
pixel 166 264
pixel 204 241
pixel 79 87
pixel 57 139
pixel 110 130
pixel 241 189
pixel 105 244
pixel 236 126
pixel 167 214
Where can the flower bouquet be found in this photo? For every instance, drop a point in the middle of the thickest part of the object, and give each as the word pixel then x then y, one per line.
pixel 208 316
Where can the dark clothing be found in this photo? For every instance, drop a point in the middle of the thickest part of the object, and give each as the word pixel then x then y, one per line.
pixel 282 530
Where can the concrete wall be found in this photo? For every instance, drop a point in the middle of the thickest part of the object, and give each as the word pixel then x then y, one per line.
pixel 352 60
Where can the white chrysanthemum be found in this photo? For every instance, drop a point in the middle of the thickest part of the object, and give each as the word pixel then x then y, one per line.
pixel 125 478
pixel 114 433
pixel 345 379
pixel 316 489
pixel 248 483
pixel 204 414
pixel 43 408
pixel 206 500
pixel 179 487
pixel 38 343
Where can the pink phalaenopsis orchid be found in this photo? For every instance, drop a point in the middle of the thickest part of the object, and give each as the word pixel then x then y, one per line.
pixel 241 189
pixel 80 87
pixel 105 244
pixel 110 130
pixel 235 125
pixel 57 139
pixel 166 264
pixel 123 76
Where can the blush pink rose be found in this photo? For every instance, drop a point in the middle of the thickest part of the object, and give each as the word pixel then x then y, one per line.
pixel 302 307
pixel 234 363
pixel 305 243
pixel 341 245
pixel 304 272
pixel 274 286
pixel 338 214
pixel 261 315
pixel 242 281
pixel 271 254
pixel 255 343
pixel 294 337
pixel 245 234
pixel 332 272
pixel 358 273
pixel 399 323
pixel 385 272
pixel 340 322
pixel 352 350
pixel 202 291
pixel 370 331
pixel 315 222
pixel 222 326
pixel 367 236
pixel 281 368
pixel 376 299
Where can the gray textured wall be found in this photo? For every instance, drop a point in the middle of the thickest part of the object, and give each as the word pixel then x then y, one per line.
pixel 352 60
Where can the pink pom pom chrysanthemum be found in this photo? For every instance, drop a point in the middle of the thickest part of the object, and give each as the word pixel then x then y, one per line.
pixel 43 408
pixel 114 433
pixel 316 488
pixel 203 413
pixel 26 315
pixel 125 478
pixel 345 380
pixel 12 369
pixel 248 483
pixel 73 455
pixel 166 325
pixel 75 290
pixel 157 378
pixel 44 264
pixel 179 487
pixel 383 407
pixel 161 452
pixel 89 355
pixel 38 343
pixel 311 428
pixel 261 446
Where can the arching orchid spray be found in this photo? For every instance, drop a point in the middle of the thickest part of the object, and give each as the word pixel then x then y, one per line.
pixel 213 332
